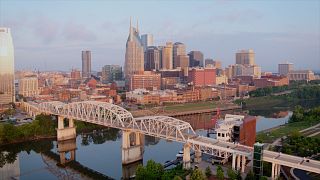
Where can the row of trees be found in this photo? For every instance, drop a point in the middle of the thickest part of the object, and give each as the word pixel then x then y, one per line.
pixel 308 115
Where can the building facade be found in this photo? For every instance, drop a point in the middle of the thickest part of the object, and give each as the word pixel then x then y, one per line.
pixel 28 86
pixel 167 56
pixel 301 75
pixel 178 49
pixel 86 64
pixel 285 68
pixel 245 57
pixel 111 73
pixel 134 57
pixel 148 80
pixel 202 77
pixel 152 58
pixel 146 40
pixel 7 89
pixel 195 59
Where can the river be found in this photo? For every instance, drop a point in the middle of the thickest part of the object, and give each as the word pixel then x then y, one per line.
pixel 100 152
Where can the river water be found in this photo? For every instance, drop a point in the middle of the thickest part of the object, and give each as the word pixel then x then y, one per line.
pixel 100 152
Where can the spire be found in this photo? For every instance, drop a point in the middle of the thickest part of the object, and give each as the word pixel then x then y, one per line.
pixel 130 31
pixel 130 22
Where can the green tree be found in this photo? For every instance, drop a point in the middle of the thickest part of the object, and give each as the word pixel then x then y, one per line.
pixel 208 172
pixel 197 175
pixel 250 176
pixel 231 174
pixel 220 174
pixel 140 173
pixel 177 178
pixel 263 178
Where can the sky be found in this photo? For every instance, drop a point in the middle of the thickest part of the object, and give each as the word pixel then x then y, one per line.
pixel 50 35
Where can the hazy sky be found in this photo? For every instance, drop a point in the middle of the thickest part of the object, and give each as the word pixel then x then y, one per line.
pixel 49 35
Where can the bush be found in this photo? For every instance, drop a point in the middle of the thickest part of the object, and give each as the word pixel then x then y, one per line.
pixel 208 172
pixel 220 174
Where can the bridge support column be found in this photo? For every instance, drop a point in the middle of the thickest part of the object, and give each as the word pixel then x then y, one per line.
pixel 65 133
pixel 197 156
pixel 186 156
pixel 238 162
pixel 132 147
pixel 275 171
pixel 234 161
pixel 243 163
pixel 67 146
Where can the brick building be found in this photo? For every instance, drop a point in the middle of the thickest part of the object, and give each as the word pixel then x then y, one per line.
pixel 202 76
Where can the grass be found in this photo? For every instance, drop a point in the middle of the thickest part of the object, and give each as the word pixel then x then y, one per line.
pixel 191 106
pixel 263 102
pixel 269 137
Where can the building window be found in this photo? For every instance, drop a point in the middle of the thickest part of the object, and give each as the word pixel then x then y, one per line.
pixel 219 135
pixel 222 134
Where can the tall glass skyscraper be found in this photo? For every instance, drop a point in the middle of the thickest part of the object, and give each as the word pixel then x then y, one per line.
pixel 134 59
pixel 7 92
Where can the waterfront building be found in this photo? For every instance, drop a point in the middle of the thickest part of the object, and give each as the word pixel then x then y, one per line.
pixel 245 57
pixel 111 73
pixel 285 68
pixel 7 88
pixel 178 49
pixel 270 81
pixel 148 80
pixel 146 40
pixel 195 59
pixel 28 86
pixel 152 58
pixel 134 57
pixel 86 64
pixel 202 76
pixel 167 56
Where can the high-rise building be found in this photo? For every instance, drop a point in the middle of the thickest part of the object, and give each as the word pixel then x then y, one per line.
pixel 146 40
pixel 196 59
pixel 167 61
pixel 7 90
pixel 178 49
pixel 134 58
pixel 86 64
pixel 111 73
pixel 182 61
pixel 152 58
pixel 217 64
pixel 285 68
pixel 208 63
pixel 245 57
pixel 28 86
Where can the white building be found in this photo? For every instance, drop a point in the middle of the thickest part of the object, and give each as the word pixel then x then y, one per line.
pixel 146 40
pixel 285 68
pixel 28 86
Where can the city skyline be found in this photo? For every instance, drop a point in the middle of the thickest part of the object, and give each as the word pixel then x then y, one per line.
pixel 220 29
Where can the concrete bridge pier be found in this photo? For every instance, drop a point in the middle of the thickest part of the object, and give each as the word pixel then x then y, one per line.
pixel 197 156
pixel 65 133
pixel 275 171
pixel 238 162
pixel 186 156
pixel 67 146
pixel 132 146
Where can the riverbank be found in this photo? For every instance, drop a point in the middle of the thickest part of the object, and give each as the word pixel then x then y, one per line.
pixel 185 109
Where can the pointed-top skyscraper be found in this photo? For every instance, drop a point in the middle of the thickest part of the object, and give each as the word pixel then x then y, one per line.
pixel 134 58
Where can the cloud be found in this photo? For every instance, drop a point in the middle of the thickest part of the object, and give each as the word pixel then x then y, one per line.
pixel 77 32
pixel 46 29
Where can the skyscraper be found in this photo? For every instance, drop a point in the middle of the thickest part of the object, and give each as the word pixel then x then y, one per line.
pixel 86 64
pixel 152 58
pixel 7 91
pixel 196 59
pixel 245 57
pixel 146 40
pixel 134 58
pixel 167 62
pixel 178 49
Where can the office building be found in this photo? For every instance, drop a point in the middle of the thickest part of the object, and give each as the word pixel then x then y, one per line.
pixel 202 76
pixel 167 56
pixel 208 63
pixel 134 57
pixel 75 74
pixel 196 59
pixel 285 68
pixel 86 64
pixel 111 73
pixel 245 57
pixel 7 89
pixel 152 58
pixel 301 75
pixel 28 86
pixel 217 64
pixel 146 40
pixel 178 49
pixel 148 80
